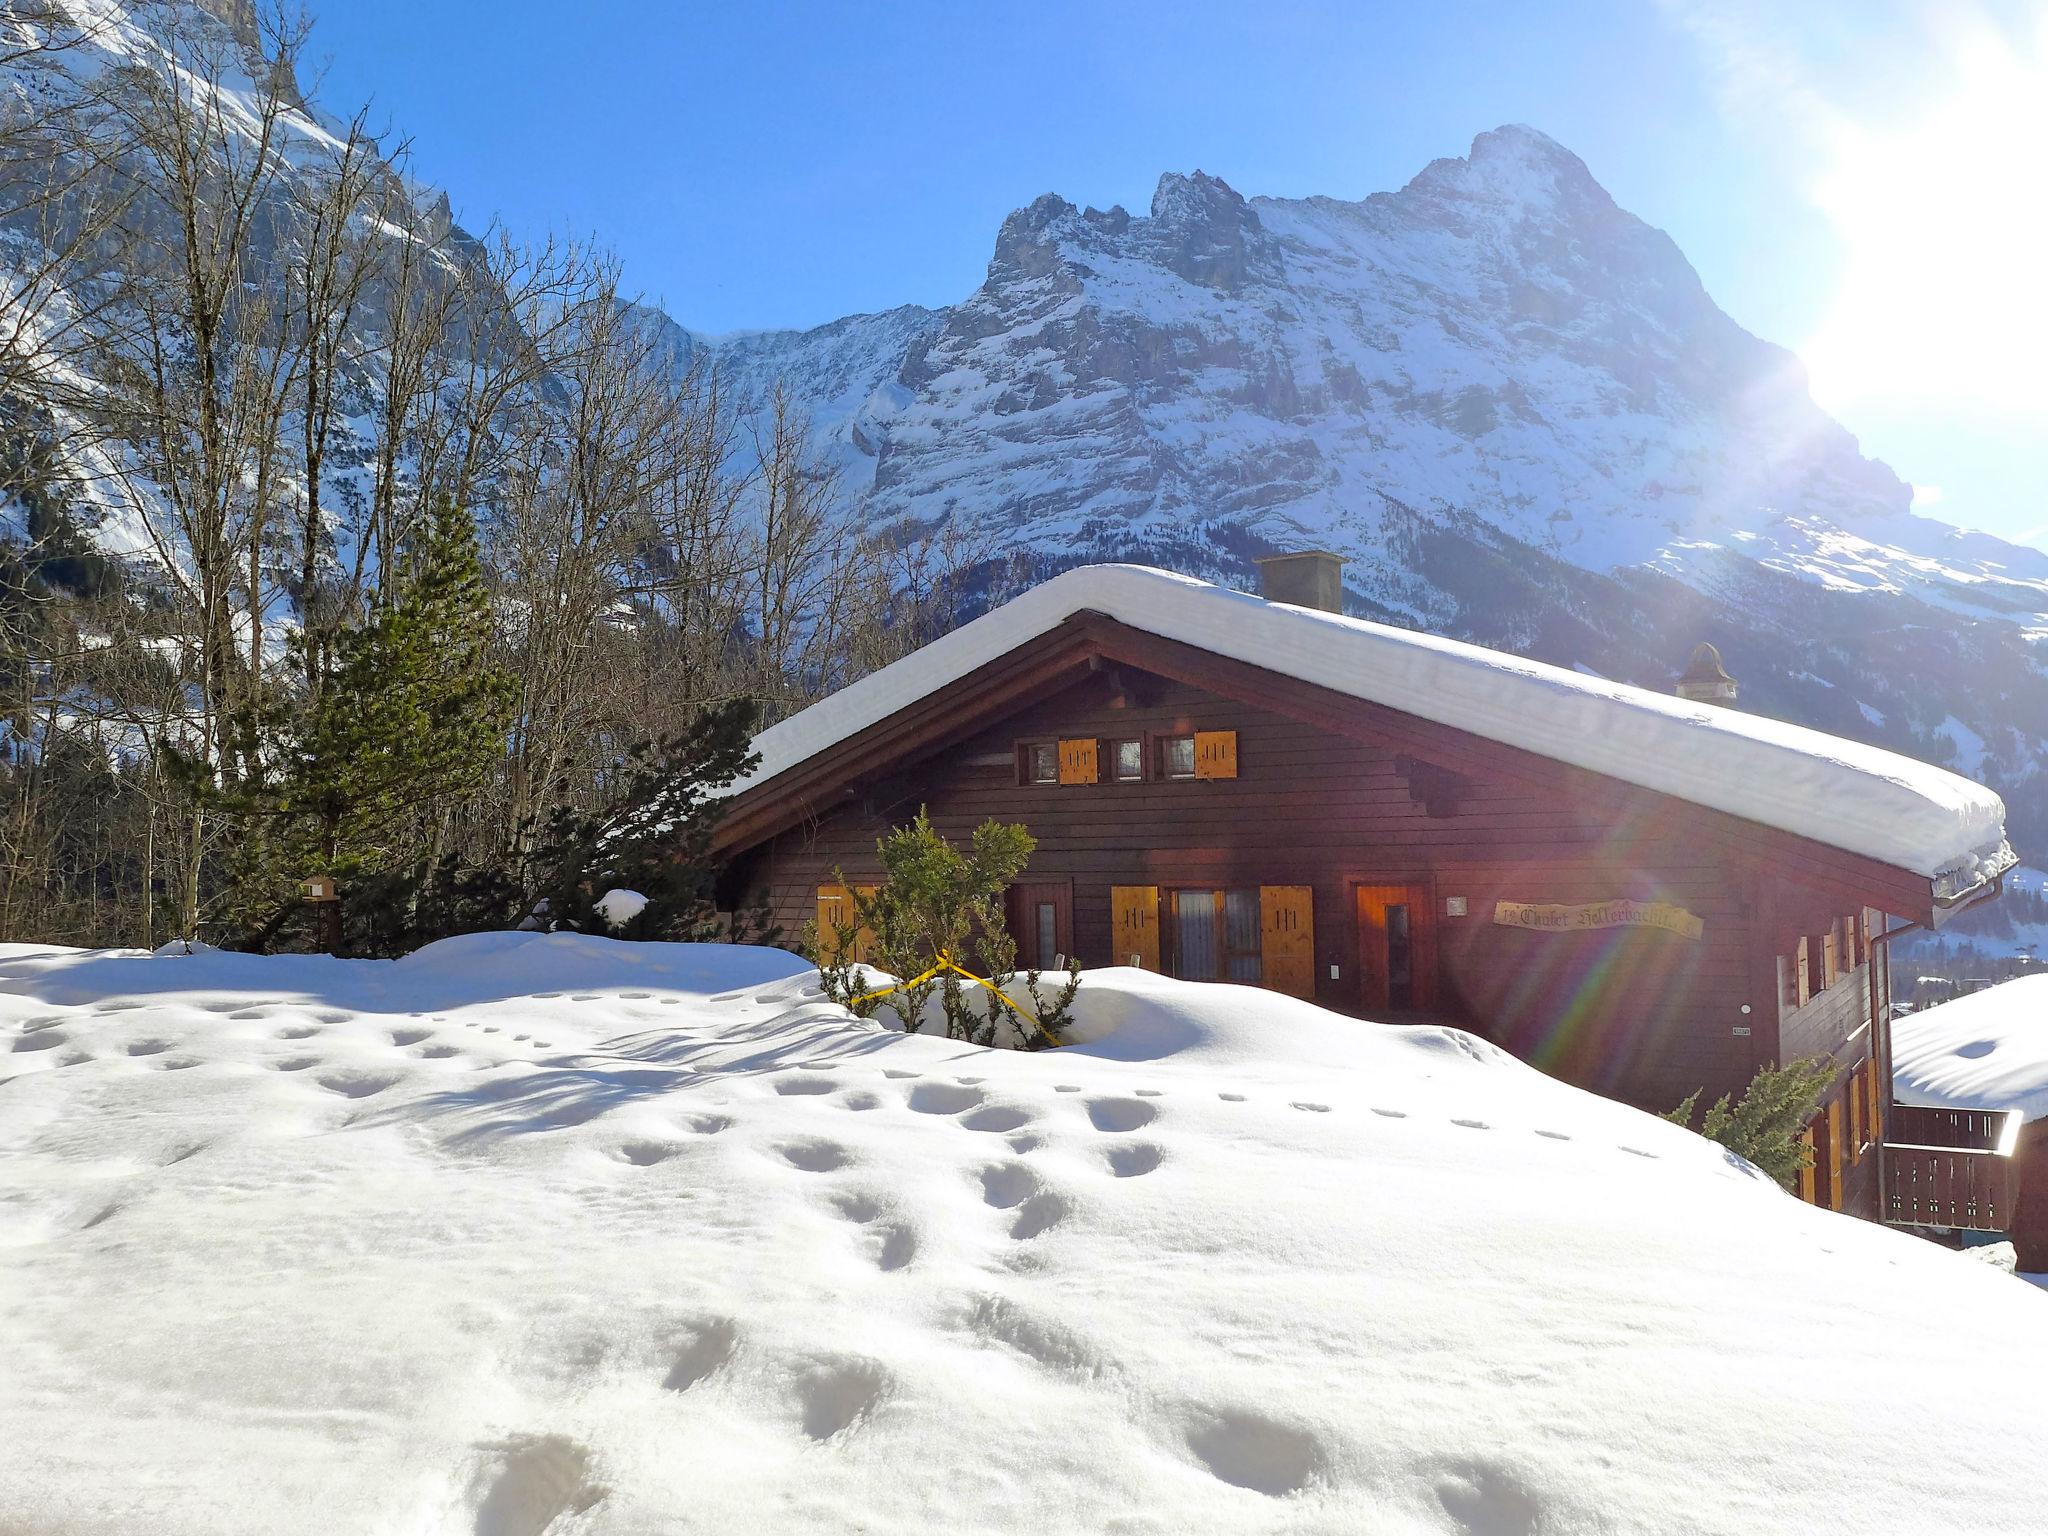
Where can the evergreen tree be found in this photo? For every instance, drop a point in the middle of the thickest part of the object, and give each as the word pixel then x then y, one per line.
pixel 411 714
pixel 1764 1125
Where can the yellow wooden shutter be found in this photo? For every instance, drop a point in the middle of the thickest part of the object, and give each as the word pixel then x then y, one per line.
pixel 864 936
pixel 1876 1095
pixel 1215 754
pixel 1134 925
pixel 1287 939
pixel 1858 1101
pixel 1077 762
pixel 1806 1172
pixel 1834 1114
pixel 1851 950
pixel 833 911
pixel 1831 957
pixel 1804 977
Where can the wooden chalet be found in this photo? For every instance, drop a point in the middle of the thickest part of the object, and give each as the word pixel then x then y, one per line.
pixel 1642 894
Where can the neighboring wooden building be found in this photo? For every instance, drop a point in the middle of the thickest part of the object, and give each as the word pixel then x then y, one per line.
pixel 1399 827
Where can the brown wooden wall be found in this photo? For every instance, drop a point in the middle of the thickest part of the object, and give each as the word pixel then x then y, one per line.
pixel 1640 1014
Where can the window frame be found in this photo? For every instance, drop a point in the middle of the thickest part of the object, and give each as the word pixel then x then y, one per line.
pixel 1169 922
pixel 1027 752
pixel 1116 774
pixel 1165 747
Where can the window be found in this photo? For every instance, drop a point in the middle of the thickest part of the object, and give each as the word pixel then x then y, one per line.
pixel 1177 757
pixel 1041 762
pixel 1127 760
pixel 1216 936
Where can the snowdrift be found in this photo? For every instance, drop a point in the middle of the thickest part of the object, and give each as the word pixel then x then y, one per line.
pixel 554 1234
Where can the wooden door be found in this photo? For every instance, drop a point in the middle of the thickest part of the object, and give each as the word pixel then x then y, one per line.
pixel 1396 949
pixel 1134 926
pixel 1288 939
pixel 1042 922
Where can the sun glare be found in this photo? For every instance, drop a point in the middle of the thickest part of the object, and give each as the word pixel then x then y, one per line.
pixel 1943 220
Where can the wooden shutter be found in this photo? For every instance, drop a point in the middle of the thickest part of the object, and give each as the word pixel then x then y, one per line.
pixel 1134 925
pixel 1287 939
pixel 1831 957
pixel 1859 1102
pixel 1078 762
pixel 1803 988
pixel 1875 1094
pixel 834 910
pixel 1215 754
pixel 1806 1174
pixel 1834 1118
pixel 1850 948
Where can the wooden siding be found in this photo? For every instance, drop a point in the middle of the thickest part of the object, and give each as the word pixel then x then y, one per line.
pixel 1641 1014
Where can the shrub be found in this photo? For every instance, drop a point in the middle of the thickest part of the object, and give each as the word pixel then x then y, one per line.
pixel 938 901
pixel 1765 1123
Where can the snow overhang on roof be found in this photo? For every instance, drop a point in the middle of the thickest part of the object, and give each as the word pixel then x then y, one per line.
pixel 1864 799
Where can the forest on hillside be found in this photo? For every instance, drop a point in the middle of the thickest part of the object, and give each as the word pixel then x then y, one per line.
pixel 344 542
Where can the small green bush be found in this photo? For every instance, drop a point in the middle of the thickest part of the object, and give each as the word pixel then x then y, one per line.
pixel 1765 1123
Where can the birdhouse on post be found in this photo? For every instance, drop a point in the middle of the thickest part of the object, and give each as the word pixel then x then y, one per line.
pixel 322 894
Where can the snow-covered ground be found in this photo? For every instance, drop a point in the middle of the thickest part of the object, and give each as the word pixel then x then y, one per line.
pixel 553 1234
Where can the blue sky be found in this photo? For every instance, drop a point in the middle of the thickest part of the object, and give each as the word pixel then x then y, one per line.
pixel 783 164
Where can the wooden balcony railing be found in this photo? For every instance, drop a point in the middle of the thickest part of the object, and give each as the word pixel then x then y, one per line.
pixel 1952 1168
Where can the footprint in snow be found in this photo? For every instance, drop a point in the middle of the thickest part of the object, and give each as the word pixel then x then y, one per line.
pixel 1150 1093
pixel 410 1036
pixel 1007 1185
pixel 1311 1106
pixel 1639 1152
pixel 583 997
pixel 1472 1125
pixel 707 1347
pixel 894 1072
pixel 333 1015
pixel 645 1154
pixel 997 1118
pixel 299 1032
pixel 861 1100
pixel 1390 1114
pixel 804 1086
pixel 710 1125
pixel 527 1484
pixel 837 1394
pixel 295 1063
pixel 176 1063
pixel 1554 1135
pixel 1231 1098
pixel 355 1085
pixel 437 1052
pixel 815 1156
pixel 1120 1114
pixel 944 1098
pixel 1249 1450
pixel 1128 1160
pixel 41 1040
pixel 1066 1087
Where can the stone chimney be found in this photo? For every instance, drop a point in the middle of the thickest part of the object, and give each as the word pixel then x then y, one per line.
pixel 1310 578
pixel 1704 680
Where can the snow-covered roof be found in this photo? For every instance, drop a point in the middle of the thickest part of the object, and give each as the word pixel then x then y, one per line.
pixel 1869 801
pixel 1985 1051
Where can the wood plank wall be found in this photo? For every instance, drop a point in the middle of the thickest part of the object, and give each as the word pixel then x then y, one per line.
pixel 1639 1014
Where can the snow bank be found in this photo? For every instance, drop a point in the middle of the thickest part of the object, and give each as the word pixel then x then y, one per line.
pixel 1870 801
pixel 1985 1051
pixel 547 1233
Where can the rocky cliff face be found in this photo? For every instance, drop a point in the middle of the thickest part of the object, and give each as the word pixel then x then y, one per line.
pixel 1511 404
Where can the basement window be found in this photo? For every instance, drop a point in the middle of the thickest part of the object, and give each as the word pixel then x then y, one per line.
pixel 1177 757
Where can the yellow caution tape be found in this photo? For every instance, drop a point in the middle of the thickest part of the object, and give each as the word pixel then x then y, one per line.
pixel 945 963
